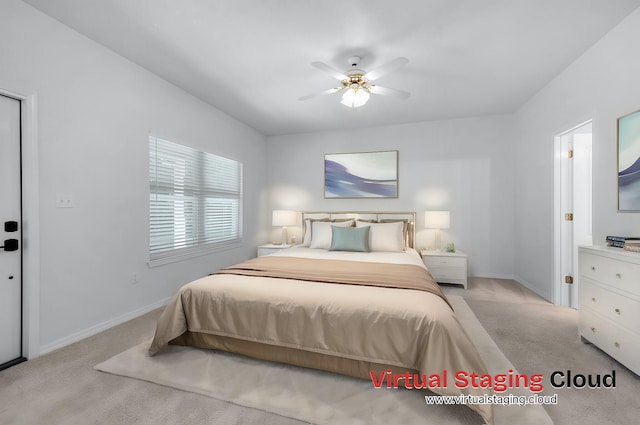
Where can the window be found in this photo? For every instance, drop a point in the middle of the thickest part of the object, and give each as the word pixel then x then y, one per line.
pixel 195 200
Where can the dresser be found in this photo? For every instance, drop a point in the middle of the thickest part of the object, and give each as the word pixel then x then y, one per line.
pixel 447 267
pixel 609 315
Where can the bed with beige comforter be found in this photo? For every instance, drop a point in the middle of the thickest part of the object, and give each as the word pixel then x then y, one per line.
pixel 349 313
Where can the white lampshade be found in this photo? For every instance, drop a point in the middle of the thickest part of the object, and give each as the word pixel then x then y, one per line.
pixel 284 218
pixel 355 97
pixel 436 219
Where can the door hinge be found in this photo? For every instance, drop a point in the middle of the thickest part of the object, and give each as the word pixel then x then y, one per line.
pixel 568 216
pixel 568 279
pixel 570 154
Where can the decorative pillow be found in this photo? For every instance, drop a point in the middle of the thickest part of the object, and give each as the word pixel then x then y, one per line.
pixel 349 239
pixel 321 233
pixel 385 236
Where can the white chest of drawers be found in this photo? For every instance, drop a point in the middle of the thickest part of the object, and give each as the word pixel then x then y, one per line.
pixel 609 314
pixel 447 267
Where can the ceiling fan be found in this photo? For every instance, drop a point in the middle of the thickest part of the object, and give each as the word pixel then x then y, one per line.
pixel 358 84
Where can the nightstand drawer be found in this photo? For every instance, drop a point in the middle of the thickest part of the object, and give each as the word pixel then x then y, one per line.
pixel 441 261
pixel 445 274
pixel 266 251
pixel 270 248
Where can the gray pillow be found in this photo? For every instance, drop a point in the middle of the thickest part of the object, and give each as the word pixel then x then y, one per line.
pixel 349 239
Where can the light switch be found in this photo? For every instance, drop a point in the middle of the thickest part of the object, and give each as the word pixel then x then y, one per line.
pixel 64 200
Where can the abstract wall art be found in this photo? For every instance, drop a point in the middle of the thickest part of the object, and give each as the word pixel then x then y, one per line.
pixel 629 162
pixel 361 175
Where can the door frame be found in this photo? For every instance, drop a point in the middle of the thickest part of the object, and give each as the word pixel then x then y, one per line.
pixel 30 223
pixel 559 297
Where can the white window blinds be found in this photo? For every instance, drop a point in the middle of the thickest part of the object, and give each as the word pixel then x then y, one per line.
pixel 195 202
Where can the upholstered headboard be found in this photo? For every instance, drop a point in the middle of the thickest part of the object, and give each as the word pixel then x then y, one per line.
pixel 377 216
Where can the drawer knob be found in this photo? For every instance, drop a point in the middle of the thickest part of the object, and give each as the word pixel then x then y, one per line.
pixel 593 299
pixel 618 275
pixel 593 268
pixel 593 330
pixel 617 310
pixel 617 344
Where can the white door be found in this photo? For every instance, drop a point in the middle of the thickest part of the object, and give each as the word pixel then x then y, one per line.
pixel 10 233
pixel 575 199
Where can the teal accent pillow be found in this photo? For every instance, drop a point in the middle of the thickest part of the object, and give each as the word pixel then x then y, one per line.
pixel 349 239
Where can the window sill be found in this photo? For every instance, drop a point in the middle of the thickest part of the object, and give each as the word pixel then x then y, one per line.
pixel 193 252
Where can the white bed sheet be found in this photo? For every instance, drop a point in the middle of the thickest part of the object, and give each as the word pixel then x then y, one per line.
pixel 409 256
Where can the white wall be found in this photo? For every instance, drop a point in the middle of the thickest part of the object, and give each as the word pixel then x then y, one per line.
pixel 95 111
pixel 603 84
pixel 464 166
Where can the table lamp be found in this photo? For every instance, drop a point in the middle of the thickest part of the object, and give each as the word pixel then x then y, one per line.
pixel 437 220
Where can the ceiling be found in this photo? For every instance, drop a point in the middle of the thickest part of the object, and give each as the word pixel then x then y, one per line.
pixel 252 58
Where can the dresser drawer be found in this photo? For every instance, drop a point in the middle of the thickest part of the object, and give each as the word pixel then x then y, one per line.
pixel 616 273
pixel 619 343
pixel 436 261
pixel 618 308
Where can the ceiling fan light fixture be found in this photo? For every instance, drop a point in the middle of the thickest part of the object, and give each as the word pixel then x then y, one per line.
pixel 355 97
pixel 357 84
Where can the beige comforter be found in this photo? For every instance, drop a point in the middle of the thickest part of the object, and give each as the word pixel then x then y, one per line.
pixel 399 276
pixel 408 328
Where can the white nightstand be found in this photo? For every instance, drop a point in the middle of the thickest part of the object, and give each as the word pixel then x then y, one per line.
pixel 447 267
pixel 270 248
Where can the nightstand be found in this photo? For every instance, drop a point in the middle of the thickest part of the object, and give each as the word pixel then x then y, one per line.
pixel 270 248
pixel 447 267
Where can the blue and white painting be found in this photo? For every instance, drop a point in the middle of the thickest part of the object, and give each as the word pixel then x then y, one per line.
pixel 361 175
pixel 629 162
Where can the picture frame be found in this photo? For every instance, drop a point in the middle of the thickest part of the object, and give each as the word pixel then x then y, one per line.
pixel 361 175
pixel 628 143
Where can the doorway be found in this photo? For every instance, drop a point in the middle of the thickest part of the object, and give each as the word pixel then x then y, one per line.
pixel 573 208
pixel 11 305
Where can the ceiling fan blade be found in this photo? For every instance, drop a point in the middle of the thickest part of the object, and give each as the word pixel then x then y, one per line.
pixel 386 68
pixel 322 93
pixel 329 70
pixel 389 92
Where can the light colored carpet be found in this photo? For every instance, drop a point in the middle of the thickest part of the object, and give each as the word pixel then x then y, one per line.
pixel 314 396
pixel 62 387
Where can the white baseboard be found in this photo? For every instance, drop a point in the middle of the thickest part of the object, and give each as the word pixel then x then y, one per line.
pixel 494 276
pixel 101 327
pixel 517 279
pixel 533 288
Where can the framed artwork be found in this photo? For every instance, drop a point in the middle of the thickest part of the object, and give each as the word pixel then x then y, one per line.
pixel 629 162
pixel 361 175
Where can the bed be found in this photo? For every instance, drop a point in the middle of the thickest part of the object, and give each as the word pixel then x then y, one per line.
pixel 354 298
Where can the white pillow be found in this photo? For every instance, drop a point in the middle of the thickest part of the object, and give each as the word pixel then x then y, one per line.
pixel 321 232
pixel 385 236
pixel 307 229
pixel 307 232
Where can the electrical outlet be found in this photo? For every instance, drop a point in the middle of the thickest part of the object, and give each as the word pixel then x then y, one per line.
pixel 64 200
pixel 134 278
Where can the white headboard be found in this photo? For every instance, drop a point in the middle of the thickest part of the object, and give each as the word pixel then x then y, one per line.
pixel 379 216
